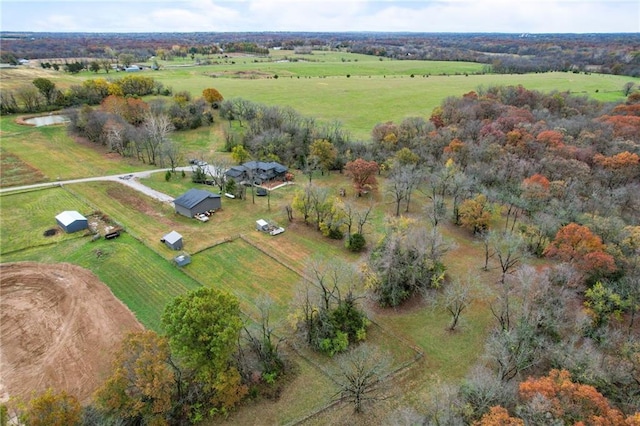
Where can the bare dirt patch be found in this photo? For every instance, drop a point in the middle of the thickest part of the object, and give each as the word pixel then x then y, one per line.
pixel 60 325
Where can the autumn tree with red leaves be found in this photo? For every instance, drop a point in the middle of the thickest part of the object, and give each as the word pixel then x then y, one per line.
pixel 576 244
pixel 363 173
pixel 535 190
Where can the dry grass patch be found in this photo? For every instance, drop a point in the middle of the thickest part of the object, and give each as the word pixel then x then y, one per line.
pixel 15 172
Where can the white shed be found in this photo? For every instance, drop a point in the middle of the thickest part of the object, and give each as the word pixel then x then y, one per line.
pixel 72 221
pixel 173 240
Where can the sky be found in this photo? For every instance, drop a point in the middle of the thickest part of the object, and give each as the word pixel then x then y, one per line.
pixel 503 16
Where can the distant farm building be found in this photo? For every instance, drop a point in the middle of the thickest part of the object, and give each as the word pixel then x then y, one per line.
pixel 72 221
pixel 196 201
pixel 258 172
pixel 173 240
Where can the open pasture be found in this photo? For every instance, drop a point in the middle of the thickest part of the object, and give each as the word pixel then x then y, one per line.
pixel 361 102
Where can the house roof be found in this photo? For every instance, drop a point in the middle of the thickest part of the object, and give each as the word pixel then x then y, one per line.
pixel 256 166
pixel 193 197
pixel 235 171
pixel 172 237
pixel 69 216
pixel 261 165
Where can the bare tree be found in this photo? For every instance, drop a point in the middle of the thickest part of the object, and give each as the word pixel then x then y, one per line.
pixel 157 128
pixel 457 296
pixel 359 376
pixel 509 249
pixel 402 181
pixel 262 340
pixel 628 88
pixel 217 172
pixel 171 153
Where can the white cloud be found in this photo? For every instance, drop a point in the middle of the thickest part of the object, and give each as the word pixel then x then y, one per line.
pixel 321 15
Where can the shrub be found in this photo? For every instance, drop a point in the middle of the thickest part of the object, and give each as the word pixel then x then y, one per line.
pixel 356 243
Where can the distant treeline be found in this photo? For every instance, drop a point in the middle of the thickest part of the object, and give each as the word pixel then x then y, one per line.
pixel 503 53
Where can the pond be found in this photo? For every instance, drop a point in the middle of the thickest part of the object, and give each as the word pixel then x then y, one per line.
pixel 46 120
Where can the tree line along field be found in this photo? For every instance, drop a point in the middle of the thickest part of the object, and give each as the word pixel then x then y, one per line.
pixel 137 267
pixel 376 91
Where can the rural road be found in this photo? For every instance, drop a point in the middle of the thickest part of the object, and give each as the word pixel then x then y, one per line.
pixel 128 179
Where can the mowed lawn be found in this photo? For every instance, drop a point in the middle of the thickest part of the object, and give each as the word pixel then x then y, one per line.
pixel 48 153
pixel 27 215
pixel 243 270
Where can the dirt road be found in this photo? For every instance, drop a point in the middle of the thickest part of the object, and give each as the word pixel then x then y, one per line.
pixel 129 179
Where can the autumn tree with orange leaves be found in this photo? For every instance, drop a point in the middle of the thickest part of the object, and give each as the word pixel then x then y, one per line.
pixel 535 190
pixel 498 416
pixel 576 244
pixel 143 383
pixel 572 403
pixel 131 110
pixel 555 399
pixel 51 409
pixel 212 96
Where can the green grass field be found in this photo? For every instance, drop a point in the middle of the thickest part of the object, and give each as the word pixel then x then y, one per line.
pixel 26 216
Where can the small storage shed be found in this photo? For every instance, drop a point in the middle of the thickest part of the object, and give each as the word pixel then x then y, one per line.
pixel 72 221
pixel 182 259
pixel 196 201
pixel 262 225
pixel 173 240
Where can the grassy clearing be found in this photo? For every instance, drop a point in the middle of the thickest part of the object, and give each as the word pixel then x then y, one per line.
pixel 307 392
pixel 53 155
pixel 243 270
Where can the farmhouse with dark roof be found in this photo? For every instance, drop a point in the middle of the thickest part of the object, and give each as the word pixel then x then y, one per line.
pixel 259 171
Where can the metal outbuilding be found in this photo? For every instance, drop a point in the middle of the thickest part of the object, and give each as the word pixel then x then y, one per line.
pixel 72 221
pixel 173 240
pixel 196 201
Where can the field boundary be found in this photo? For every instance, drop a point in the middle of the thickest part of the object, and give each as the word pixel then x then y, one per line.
pixel 272 256
pixel 405 366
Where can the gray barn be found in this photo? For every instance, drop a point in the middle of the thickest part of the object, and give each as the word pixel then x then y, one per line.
pixel 72 221
pixel 196 201
pixel 173 240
